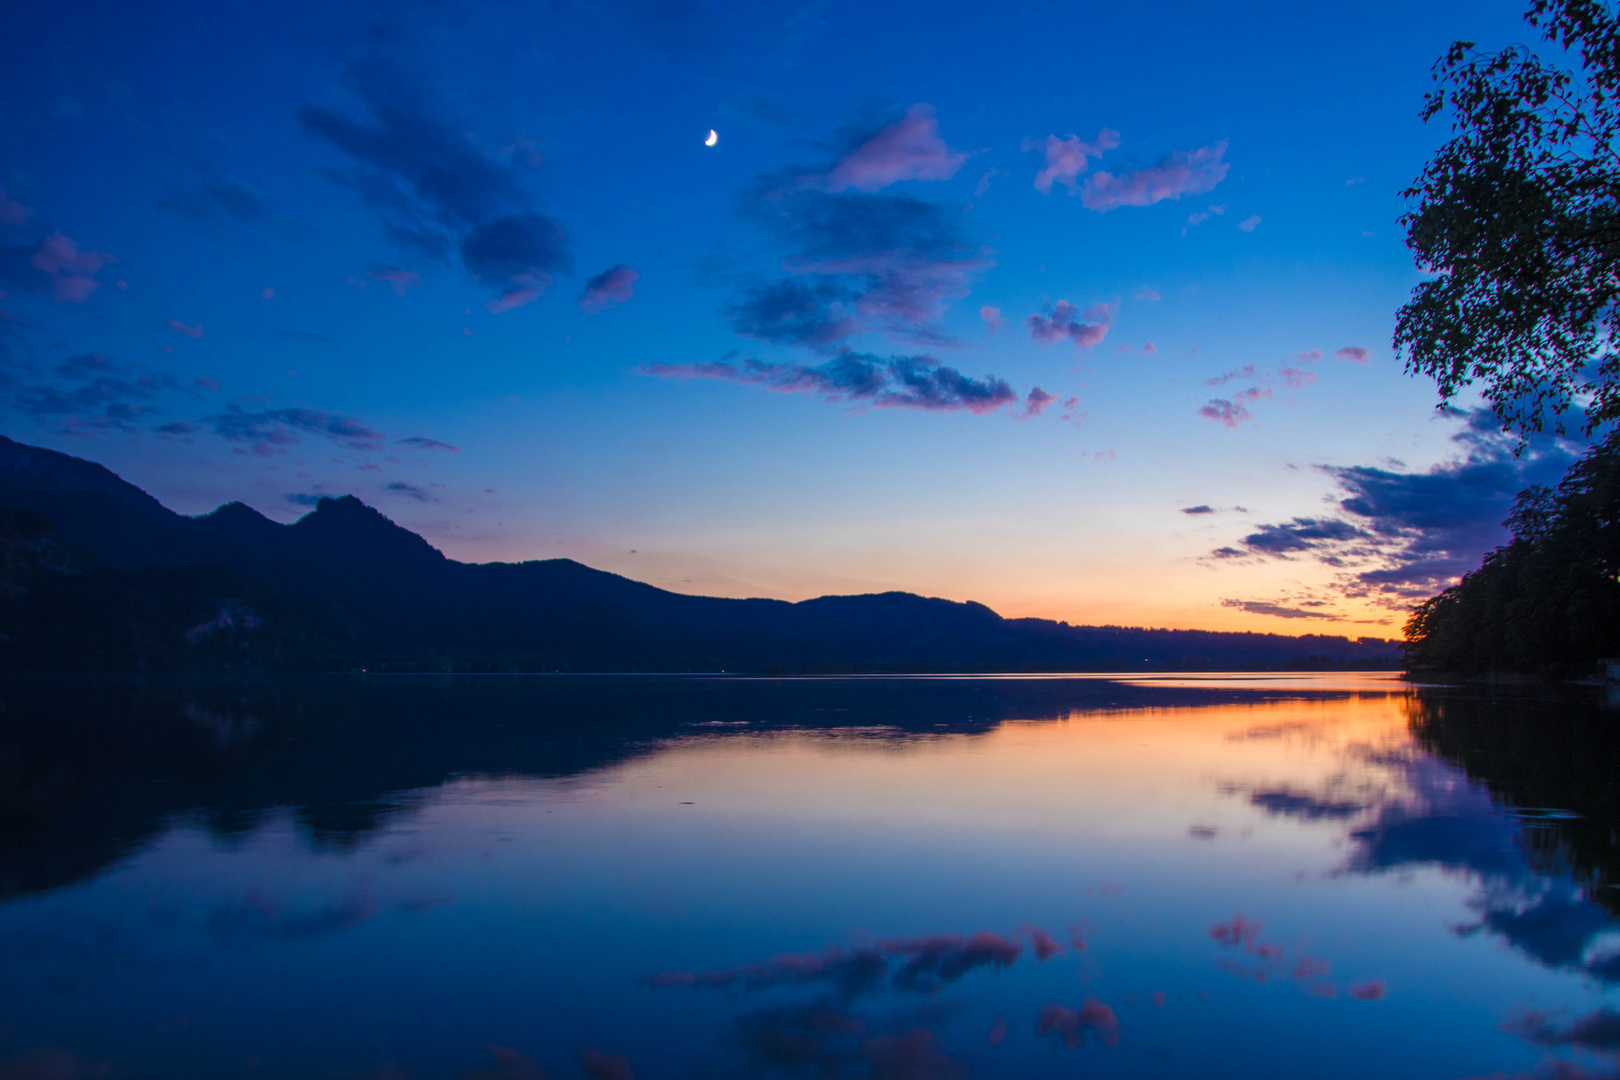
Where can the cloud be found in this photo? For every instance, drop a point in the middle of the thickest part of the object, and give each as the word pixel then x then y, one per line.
pixel 1149 294
pixel 422 442
pixel 1351 354
pixel 108 395
pixel 1596 1032
pixel 1200 216
pixel 212 197
pixel 1250 223
pixel 13 213
pixel 520 253
pixel 274 429
pixel 1202 508
pixel 508 1065
pixel 1402 536
pixel 56 265
pixel 436 193
pixel 908 149
pixel 1071 1025
pixel 1185 172
pixel 1297 379
pixel 856 262
pixel 1038 400
pixel 399 280
pixel 411 491
pixel 615 285
pixel 992 318
pixel 1067 158
pixel 304 498
pixel 1284 803
pixel 1234 411
pixel 900 382
pixel 1085 331
pixel 193 332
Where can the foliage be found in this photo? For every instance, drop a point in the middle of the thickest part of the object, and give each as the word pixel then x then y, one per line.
pixel 1518 216
pixel 1549 601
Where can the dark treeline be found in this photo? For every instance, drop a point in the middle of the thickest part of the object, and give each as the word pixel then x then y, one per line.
pixel 1548 602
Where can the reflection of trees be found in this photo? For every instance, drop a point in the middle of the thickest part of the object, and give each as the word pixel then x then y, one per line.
pixel 1545 757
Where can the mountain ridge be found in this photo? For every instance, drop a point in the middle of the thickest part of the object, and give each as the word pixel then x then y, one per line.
pixel 362 591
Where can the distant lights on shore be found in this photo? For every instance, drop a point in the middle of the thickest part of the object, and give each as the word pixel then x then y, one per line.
pixel 714 137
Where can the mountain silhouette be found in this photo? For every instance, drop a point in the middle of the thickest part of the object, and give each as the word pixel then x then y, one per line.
pixel 346 587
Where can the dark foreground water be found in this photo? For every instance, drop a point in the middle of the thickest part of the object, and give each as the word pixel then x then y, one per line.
pixel 1325 876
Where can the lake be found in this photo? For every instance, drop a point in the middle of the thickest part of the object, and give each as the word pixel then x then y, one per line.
pixel 507 877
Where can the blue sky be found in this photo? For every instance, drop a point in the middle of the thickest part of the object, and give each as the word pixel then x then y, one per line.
pixel 270 253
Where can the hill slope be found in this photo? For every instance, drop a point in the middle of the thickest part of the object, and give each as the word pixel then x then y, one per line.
pixel 345 587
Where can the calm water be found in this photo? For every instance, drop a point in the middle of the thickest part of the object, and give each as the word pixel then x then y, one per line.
pixel 1333 876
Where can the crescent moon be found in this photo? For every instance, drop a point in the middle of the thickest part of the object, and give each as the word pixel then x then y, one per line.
pixel 714 137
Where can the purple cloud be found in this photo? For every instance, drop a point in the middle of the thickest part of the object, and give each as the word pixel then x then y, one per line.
pixel 616 285
pixel 1085 331
pixel 909 149
pixel 900 382
pixel 1250 223
pixel 1234 412
pixel 13 213
pixel 1351 354
pixel 992 318
pixel 397 279
pixel 421 442
pixel 1038 400
pixel 69 270
pixel 1067 158
pixel 274 429
pixel 193 332
pixel 1185 172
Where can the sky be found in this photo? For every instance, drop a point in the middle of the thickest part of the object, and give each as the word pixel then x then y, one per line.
pixel 1079 311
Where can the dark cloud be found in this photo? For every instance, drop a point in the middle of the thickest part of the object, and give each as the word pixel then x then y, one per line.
pixel 1596 1031
pixel 1309 807
pixel 56 265
pixel 919 965
pixel 274 429
pixel 1281 611
pixel 410 491
pixel 899 382
pixel 1201 508
pixel 210 196
pixel 436 193
pixel 1403 535
pixel 421 442
pixel 96 393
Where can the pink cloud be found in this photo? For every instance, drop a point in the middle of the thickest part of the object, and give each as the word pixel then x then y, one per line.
pixel 1185 172
pixel 1352 354
pixel 992 318
pixel 1234 412
pixel 1067 158
pixel 72 271
pixel 1250 223
pixel 1296 379
pixel 909 149
pixel 179 327
pixel 1309 967
pixel 1200 216
pixel 1087 330
pixel 526 291
pixel 1372 990
pixel 1247 371
pixel 616 285
pixel 1148 348
pixel 1071 1025
pixel 1149 294
pixel 13 213
pixel 1309 356
pixel 1240 931
pixel 398 280
pixel 1044 945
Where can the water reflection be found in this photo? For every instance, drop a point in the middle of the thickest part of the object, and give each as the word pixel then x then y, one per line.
pixel 482 878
